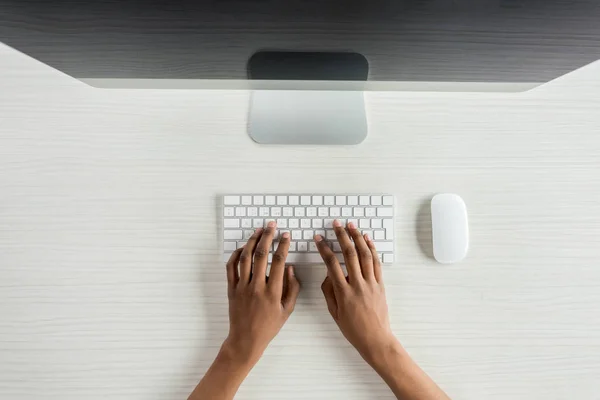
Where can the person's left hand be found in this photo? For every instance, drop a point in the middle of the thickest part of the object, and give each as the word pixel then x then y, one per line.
pixel 258 307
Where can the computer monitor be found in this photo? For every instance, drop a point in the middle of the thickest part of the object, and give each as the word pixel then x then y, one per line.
pixel 498 45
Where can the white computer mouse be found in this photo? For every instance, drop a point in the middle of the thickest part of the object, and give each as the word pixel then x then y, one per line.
pixel 449 228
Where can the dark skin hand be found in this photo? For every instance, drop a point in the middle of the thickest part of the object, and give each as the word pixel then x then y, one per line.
pixel 258 308
pixel 357 304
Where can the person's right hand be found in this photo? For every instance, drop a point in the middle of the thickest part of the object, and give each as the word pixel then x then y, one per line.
pixel 357 303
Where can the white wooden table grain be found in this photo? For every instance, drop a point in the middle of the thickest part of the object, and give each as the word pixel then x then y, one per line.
pixel 112 285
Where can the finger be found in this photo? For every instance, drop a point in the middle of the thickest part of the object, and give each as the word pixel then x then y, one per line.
pixel 261 254
pixel 232 270
pixel 278 264
pixel 364 254
pixel 246 256
pixel 349 252
pixel 292 290
pixel 376 263
pixel 334 270
pixel 329 293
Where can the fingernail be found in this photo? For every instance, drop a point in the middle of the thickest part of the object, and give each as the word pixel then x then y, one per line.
pixel 271 224
pixel 367 237
pixel 285 235
pixel 337 223
pixel 291 268
pixel 351 225
pixel 318 238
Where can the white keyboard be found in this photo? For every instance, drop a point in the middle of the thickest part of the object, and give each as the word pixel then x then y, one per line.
pixel 304 216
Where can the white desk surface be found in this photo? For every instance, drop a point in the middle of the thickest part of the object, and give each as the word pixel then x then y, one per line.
pixel 111 280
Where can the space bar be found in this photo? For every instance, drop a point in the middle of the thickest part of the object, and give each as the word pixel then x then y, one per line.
pixel 308 258
pixel 299 258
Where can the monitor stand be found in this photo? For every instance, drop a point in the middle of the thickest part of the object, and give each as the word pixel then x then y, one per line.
pixel 307 117
pixel 322 117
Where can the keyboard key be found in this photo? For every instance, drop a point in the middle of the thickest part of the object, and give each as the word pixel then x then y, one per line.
pixel 305 223
pixel 340 200
pixel 354 221
pixel 275 211
pixel 248 234
pixel 259 200
pixel 267 220
pixel 309 258
pixel 337 248
pixel 317 200
pixel 257 223
pixel 359 212
pixel 240 211
pixel 252 212
pixel 388 200
pixel 316 223
pixel 330 235
pixel 388 258
pixel 383 247
pixel 281 200
pixel 232 235
pixel 231 200
pixel 320 232
pixel 308 234
pixel 311 211
pixel 367 232
pixel 346 211
pixel 376 200
pixel 293 223
pixel 323 212
pixel 312 247
pixel 296 235
pixel 370 212
pixel 292 246
pixel 263 211
pixel 228 211
pixel 229 246
pixel 352 200
pixel 388 225
pixel 364 223
pixel 293 200
pixel 231 223
pixel 246 223
pixel 376 223
pixel 302 246
pixel 305 200
pixel 240 244
pixel 379 235
pixel 329 200
pixel 334 211
pixel 288 212
pixel 385 212
pixel 247 200
pixel 299 212
pixel 364 200
pixel 276 235
pixel 270 200
pixel 328 223
pixel 282 223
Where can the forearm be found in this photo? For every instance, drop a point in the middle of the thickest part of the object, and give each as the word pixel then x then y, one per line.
pixel 403 375
pixel 224 377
